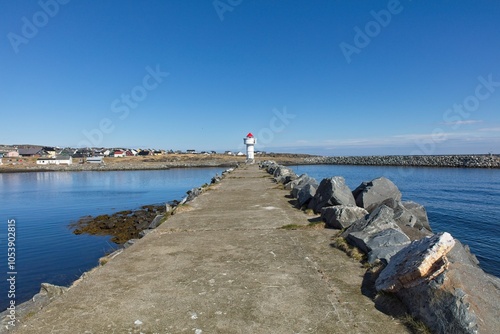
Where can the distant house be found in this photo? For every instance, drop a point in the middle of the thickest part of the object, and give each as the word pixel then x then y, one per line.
pixel 191 151
pixel 58 160
pixel 130 153
pixel 240 153
pixel 119 154
pixel 30 151
pixel 49 151
pixel 144 153
pixel 12 154
pixel 229 153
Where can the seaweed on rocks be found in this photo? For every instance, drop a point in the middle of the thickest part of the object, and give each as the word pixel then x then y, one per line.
pixel 122 225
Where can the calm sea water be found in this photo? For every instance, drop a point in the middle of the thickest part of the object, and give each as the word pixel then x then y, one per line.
pixel 43 204
pixel 462 201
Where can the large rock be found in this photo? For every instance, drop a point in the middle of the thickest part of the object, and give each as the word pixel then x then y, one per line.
pixel 341 216
pixel 299 183
pixel 421 261
pixel 306 194
pixel 193 193
pixel 156 222
pixel 371 194
pixel 378 220
pixel 284 174
pixel 377 234
pixel 332 191
pixel 420 214
pixel 385 244
pixel 453 296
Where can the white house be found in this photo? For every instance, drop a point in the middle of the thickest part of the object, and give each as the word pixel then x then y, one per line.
pixel 58 160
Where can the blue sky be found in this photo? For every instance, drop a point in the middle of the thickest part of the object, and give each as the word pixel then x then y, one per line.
pixel 322 77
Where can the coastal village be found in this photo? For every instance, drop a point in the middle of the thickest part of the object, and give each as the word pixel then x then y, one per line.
pixel 47 155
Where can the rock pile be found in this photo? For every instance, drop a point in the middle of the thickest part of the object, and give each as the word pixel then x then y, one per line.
pixel 434 275
pixel 471 161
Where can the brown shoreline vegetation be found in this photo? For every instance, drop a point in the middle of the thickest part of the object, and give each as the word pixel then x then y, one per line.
pixel 167 161
pixel 28 164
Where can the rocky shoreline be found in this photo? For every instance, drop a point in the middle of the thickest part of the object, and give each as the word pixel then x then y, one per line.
pixel 461 161
pixel 433 275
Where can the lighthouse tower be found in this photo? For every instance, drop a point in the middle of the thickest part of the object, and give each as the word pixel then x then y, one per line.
pixel 250 141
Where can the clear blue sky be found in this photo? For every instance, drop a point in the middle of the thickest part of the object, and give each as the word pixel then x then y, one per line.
pixel 324 77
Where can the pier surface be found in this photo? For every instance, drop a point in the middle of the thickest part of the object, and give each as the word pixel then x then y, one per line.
pixel 224 265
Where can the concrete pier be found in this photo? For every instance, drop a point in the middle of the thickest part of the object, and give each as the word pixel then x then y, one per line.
pixel 223 265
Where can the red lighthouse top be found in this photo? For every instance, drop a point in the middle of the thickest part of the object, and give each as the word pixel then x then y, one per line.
pixel 249 135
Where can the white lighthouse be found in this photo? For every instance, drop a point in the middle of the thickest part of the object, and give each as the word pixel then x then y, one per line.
pixel 250 141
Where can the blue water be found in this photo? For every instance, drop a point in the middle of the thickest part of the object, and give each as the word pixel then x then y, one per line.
pixel 462 201
pixel 43 204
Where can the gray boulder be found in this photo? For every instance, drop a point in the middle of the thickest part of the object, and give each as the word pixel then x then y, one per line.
pixel 332 191
pixel 380 219
pixel 306 194
pixel 281 174
pixel 297 184
pixel 156 222
pixel 371 194
pixel 420 214
pixel 270 166
pixel 410 216
pixel 193 193
pixel 341 216
pixel 377 235
pixel 386 243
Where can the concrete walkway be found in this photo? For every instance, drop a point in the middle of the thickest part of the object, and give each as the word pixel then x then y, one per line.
pixel 223 266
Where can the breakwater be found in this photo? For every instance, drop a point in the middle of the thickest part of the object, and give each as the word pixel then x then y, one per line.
pixel 434 275
pixel 467 161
